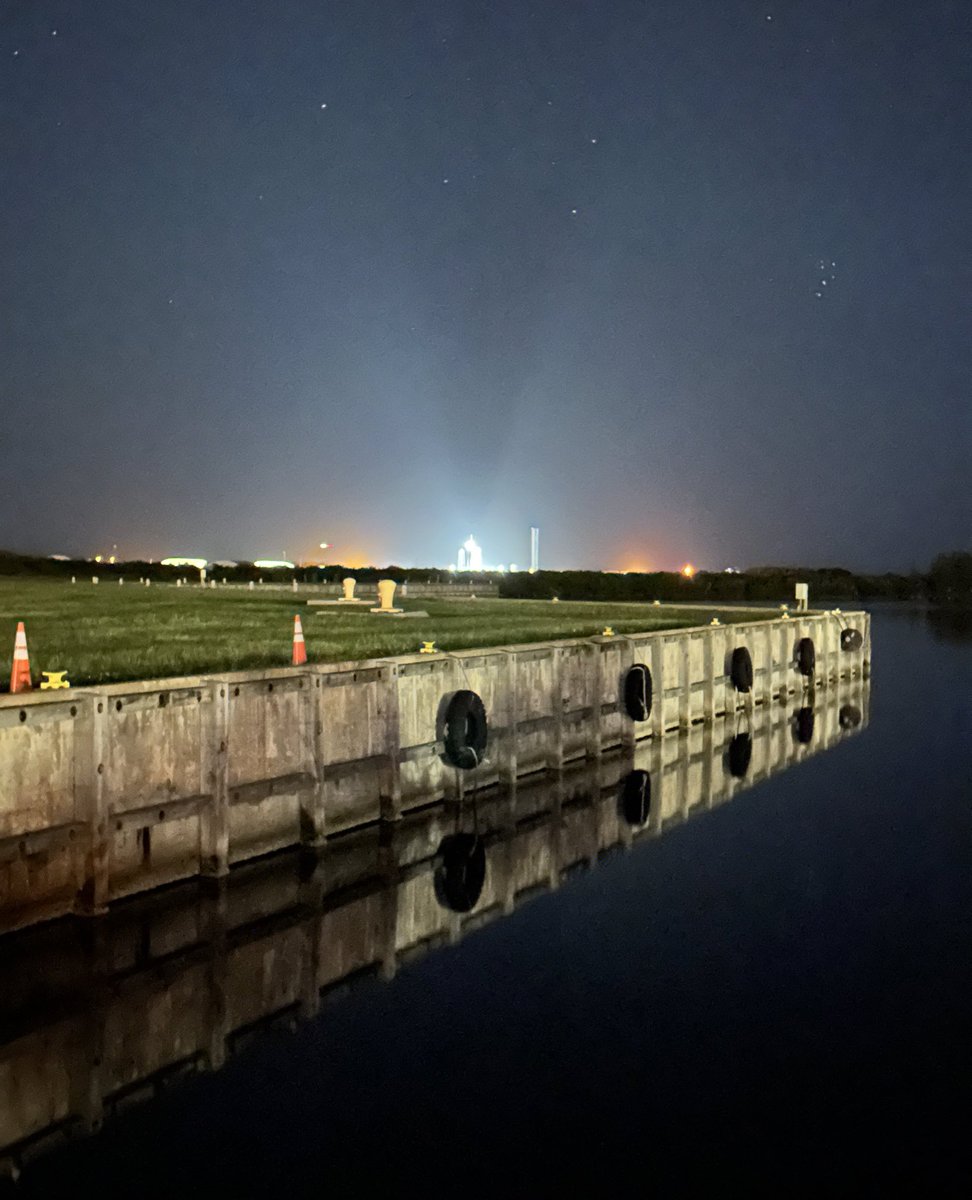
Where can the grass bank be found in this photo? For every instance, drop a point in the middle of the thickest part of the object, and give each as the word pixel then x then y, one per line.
pixel 106 633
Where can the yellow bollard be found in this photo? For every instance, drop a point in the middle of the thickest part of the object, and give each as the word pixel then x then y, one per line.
pixel 53 680
pixel 607 631
pixel 428 648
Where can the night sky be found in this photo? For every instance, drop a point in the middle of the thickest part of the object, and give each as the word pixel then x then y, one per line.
pixel 672 280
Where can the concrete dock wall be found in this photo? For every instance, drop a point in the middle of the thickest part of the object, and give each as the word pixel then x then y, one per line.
pixel 110 791
pixel 98 1016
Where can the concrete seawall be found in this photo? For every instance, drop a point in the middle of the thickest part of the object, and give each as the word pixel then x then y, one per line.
pixel 97 1016
pixel 110 791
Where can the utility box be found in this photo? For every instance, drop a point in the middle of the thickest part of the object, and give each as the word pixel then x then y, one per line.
pixel 802 596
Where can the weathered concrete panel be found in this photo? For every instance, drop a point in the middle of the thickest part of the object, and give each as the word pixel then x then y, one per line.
pixel 116 790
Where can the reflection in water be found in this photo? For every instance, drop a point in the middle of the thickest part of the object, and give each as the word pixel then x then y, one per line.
pixel 739 754
pixel 461 871
pixel 950 624
pixel 101 1015
pixel 635 798
pixel 850 716
pixel 803 723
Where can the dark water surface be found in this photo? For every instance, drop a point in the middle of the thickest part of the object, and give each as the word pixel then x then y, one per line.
pixel 774 997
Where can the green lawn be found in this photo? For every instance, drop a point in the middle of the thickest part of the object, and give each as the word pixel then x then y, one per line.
pixel 107 633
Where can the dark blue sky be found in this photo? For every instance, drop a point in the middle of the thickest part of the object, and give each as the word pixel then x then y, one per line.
pixel 546 263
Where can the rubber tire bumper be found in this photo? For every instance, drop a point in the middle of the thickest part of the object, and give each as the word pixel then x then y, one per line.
pixel 741 670
pixel 466 730
pixel 638 692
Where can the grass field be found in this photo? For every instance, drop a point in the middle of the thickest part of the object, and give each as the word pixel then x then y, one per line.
pixel 103 633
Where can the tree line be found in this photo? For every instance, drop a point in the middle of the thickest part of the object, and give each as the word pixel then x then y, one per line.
pixel 948 581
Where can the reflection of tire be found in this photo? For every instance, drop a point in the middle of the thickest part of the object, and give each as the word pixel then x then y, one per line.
pixel 849 717
pixel 461 872
pixel 806 656
pixel 851 639
pixel 635 799
pixel 637 692
pixel 741 669
pixel 803 723
pixel 466 732
pixel 739 754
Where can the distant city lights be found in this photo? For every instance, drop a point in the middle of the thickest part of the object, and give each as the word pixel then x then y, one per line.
pixel 198 563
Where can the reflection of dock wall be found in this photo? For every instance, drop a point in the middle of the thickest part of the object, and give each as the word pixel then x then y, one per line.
pixel 110 791
pixel 97 1018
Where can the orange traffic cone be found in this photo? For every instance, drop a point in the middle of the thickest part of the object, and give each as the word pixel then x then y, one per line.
pixel 300 650
pixel 20 674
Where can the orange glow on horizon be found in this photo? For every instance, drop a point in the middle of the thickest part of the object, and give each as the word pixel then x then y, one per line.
pixel 688 570
pixel 353 559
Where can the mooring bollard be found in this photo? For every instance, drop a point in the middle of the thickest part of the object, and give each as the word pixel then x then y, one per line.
pixel 53 680
pixel 386 597
pixel 94 578
pixel 252 585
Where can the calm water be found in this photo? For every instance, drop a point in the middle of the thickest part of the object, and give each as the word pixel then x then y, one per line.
pixel 771 997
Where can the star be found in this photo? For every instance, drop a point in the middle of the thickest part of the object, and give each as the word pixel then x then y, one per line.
pixel 593 141
pixel 573 212
pixel 445 180
pixel 323 106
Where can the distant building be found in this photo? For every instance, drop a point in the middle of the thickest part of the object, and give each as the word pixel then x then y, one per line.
pixel 470 556
pixel 534 549
pixel 177 561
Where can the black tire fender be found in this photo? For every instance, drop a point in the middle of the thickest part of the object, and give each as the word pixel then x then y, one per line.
pixel 466 731
pixel 851 639
pixel 637 692
pixel 806 656
pixel 741 669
